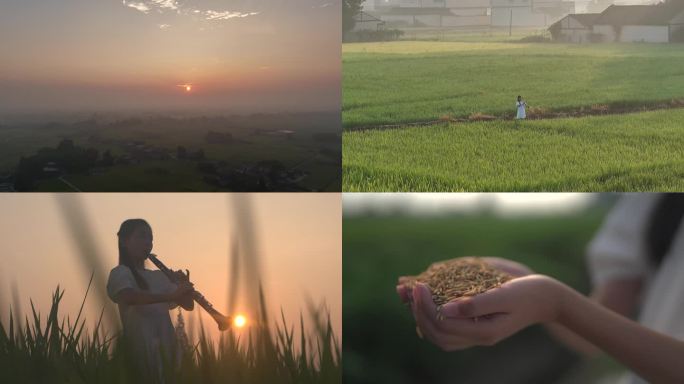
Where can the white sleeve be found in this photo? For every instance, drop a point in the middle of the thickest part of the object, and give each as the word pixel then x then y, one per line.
pixel 619 248
pixel 120 278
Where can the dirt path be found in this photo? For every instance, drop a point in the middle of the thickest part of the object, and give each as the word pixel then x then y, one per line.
pixel 536 114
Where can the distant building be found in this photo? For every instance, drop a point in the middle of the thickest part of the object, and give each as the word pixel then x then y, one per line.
pixel 431 13
pixel 574 28
pixel 529 13
pixel 469 13
pixel 640 23
pixel 660 23
pixel 366 22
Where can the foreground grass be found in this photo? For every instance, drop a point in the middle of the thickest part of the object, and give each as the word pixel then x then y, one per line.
pixel 64 352
pixel 405 81
pixel 631 152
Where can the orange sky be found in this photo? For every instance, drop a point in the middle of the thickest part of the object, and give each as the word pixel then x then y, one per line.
pixel 298 239
pixel 113 54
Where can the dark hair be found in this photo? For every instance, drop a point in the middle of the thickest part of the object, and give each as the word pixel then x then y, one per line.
pixel 664 223
pixel 125 231
pixel 519 97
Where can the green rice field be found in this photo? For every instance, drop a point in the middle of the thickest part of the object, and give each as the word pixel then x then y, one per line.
pixel 631 152
pixel 397 83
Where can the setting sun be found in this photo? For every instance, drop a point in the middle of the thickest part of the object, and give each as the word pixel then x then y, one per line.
pixel 186 87
pixel 240 321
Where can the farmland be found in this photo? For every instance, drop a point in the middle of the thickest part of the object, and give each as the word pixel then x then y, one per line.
pixel 411 81
pixel 181 153
pixel 631 152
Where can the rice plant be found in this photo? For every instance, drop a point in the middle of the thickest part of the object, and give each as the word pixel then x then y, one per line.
pixel 59 350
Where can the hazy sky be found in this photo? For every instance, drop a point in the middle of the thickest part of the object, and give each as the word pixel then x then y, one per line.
pixel 237 55
pixel 298 238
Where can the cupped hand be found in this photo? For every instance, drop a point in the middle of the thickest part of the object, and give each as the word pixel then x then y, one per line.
pixel 487 318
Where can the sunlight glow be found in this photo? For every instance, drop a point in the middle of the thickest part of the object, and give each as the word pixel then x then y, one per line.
pixel 240 321
pixel 186 87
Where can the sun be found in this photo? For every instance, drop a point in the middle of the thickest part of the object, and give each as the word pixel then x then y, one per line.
pixel 240 321
pixel 186 87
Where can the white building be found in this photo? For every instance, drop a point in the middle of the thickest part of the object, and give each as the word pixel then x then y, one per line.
pixel 640 23
pixel 574 28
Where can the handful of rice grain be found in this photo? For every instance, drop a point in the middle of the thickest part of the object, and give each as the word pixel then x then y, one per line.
pixel 462 277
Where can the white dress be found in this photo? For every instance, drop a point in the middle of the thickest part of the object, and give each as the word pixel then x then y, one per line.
pixel 521 109
pixel 147 328
pixel 619 251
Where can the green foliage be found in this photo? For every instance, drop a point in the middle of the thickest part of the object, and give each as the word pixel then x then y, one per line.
pixel 406 81
pixel 380 342
pixel 64 352
pixel 350 8
pixel 631 152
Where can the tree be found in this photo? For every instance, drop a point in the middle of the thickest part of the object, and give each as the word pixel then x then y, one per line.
pixel 182 153
pixel 350 8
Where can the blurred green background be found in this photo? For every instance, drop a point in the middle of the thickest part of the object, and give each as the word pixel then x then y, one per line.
pixel 380 343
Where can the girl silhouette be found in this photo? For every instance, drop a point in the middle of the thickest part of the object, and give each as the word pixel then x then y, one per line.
pixel 144 298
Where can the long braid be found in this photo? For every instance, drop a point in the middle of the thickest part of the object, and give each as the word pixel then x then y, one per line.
pixel 125 231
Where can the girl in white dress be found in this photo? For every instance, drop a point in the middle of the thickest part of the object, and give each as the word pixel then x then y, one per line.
pixel 144 298
pixel 520 105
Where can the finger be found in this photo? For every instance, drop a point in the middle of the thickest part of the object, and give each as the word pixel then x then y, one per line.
pixel 486 303
pixel 425 313
pixel 403 293
pixel 508 266
pixel 423 326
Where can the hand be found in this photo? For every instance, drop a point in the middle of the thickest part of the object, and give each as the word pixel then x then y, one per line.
pixel 183 288
pixel 487 318
pixel 182 276
pixel 511 267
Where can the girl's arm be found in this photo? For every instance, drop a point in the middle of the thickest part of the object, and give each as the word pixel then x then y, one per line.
pixel 131 296
pixel 652 355
pixel 492 316
pixel 618 295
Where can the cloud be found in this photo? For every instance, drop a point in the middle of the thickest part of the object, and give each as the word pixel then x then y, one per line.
pixel 163 5
pixel 168 4
pixel 164 26
pixel 215 15
pixel 138 6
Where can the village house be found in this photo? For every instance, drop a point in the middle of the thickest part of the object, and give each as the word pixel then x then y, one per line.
pixel 659 23
pixel 574 28
pixel 468 13
pixel 528 13
pixel 640 23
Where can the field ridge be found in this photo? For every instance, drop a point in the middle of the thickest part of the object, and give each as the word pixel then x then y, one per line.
pixel 616 108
